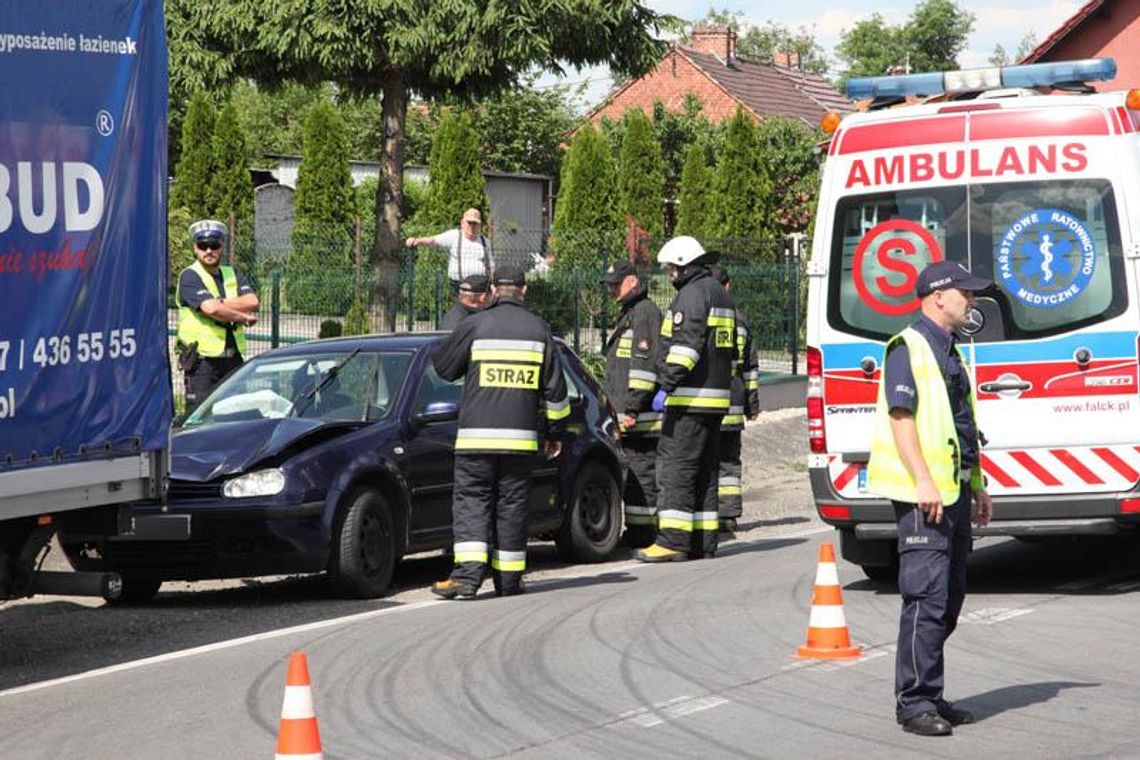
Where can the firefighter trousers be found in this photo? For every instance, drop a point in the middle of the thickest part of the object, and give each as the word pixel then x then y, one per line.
pixel 640 491
pixel 729 489
pixel 489 517
pixel 687 463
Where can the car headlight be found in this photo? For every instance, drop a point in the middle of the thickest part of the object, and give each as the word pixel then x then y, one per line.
pixel 260 483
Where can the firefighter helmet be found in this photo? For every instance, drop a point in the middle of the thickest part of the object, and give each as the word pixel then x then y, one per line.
pixel 681 251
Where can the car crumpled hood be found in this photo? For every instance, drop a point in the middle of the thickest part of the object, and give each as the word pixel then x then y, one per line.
pixel 228 448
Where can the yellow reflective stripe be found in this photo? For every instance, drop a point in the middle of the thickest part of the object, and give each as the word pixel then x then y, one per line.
pixel 641 385
pixel 470 551
pixel 667 326
pixel 558 409
pixel 753 385
pixel 729 490
pixel 492 355
pixel 706 521
pixel 720 322
pixel 683 355
pixel 495 444
pixel 511 562
pixel 665 523
pixel 732 419
pixel 704 402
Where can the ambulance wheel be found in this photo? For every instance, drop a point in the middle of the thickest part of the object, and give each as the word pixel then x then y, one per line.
pixel 882 574
pixel 365 547
pixel 592 526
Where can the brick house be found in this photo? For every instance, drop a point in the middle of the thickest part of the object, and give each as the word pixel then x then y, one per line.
pixel 1100 28
pixel 709 68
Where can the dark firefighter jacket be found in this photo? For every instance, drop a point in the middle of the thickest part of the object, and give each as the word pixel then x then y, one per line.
pixel 631 362
pixel 514 383
pixel 745 398
pixel 698 345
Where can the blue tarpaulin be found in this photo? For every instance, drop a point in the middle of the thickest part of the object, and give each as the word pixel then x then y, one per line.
pixel 84 366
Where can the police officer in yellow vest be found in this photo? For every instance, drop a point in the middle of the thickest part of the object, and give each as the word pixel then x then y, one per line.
pixel 215 305
pixel 925 457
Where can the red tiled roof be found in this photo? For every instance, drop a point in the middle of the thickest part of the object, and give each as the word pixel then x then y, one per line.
pixel 769 90
pixel 1064 31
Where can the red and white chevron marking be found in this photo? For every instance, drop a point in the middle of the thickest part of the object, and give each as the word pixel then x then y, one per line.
pixel 1073 469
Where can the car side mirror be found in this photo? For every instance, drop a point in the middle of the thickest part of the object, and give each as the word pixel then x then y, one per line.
pixel 436 411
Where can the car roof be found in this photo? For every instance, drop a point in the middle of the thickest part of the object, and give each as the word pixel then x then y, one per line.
pixel 390 342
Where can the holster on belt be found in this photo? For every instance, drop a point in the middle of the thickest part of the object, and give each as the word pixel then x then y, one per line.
pixel 187 356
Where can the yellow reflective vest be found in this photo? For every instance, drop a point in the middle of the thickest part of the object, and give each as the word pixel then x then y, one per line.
pixel 196 327
pixel 887 474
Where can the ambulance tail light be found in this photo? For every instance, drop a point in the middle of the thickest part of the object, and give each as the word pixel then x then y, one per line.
pixel 970 80
pixel 834 512
pixel 817 436
pixel 1130 506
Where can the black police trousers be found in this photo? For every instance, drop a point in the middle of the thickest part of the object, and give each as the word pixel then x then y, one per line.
pixel 932 583
pixel 730 498
pixel 687 462
pixel 640 491
pixel 204 375
pixel 489 517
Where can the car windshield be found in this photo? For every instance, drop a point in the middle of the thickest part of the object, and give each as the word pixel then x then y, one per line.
pixel 347 386
pixel 1052 248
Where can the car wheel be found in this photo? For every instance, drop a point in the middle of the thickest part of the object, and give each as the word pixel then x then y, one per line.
pixel 365 548
pixel 133 590
pixel 590 530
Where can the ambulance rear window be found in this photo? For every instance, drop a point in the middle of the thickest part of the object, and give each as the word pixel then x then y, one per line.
pixel 1052 248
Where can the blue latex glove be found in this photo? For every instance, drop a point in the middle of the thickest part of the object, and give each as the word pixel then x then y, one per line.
pixel 659 401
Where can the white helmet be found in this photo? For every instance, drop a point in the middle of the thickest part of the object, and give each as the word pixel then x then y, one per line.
pixel 681 251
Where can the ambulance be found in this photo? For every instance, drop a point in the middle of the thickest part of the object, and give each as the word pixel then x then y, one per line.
pixel 1029 178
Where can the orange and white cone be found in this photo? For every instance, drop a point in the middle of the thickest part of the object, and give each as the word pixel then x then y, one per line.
pixel 827 634
pixel 298 737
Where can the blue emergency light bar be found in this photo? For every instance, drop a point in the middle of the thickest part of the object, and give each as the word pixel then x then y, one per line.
pixel 971 80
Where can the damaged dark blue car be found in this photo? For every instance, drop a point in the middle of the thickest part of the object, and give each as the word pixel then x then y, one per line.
pixel 336 456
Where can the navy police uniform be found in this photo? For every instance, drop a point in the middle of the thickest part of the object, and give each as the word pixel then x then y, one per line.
pixel 932 556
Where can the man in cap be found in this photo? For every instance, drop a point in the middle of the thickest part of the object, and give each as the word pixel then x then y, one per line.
pixel 745 404
pixel 694 372
pixel 470 252
pixel 925 455
pixel 473 292
pixel 631 380
pixel 514 403
pixel 216 304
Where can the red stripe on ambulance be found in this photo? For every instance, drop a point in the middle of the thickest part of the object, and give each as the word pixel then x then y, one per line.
pixel 911 132
pixel 1118 464
pixel 1020 123
pixel 1074 464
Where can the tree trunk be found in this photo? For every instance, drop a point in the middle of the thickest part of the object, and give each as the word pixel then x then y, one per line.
pixel 388 246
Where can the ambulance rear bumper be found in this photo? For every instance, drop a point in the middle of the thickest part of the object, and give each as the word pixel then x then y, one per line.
pixel 1052 515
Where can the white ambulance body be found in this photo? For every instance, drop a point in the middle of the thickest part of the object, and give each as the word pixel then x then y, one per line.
pixel 1040 194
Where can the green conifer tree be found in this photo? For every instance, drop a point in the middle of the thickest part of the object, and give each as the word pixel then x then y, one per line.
pixel 194 174
pixel 695 197
pixel 456 179
pixel 588 226
pixel 321 262
pixel 641 173
pixel 231 191
pixel 742 191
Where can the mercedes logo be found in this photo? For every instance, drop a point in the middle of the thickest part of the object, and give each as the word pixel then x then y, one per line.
pixel 974 321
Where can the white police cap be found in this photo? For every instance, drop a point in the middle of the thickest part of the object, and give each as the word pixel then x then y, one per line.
pixel 208 228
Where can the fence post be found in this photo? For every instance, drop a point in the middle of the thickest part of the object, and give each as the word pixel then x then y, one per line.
pixel 438 298
pixel 411 272
pixel 275 308
pixel 795 269
pixel 605 310
pixel 356 260
pixel 577 313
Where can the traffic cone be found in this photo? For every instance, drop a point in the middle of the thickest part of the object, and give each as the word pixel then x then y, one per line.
pixel 298 737
pixel 827 635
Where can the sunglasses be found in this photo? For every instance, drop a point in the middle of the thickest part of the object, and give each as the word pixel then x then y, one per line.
pixel 208 245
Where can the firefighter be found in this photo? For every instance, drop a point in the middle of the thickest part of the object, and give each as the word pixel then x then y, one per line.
pixel 514 384
pixel 694 371
pixel 745 403
pixel 925 457
pixel 631 380
pixel 473 292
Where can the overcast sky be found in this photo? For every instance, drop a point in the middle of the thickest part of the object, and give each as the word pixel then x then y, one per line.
pixel 1002 22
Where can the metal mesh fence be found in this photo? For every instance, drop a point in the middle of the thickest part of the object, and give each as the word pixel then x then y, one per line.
pixel 310 296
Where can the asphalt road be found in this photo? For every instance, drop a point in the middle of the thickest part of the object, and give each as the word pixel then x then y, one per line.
pixel 611 660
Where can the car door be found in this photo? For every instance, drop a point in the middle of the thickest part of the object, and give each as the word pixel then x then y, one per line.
pixel 430 451
pixel 545 498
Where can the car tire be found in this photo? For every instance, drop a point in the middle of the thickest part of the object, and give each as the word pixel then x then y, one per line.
pixel 135 590
pixel 365 547
pixel 592 525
